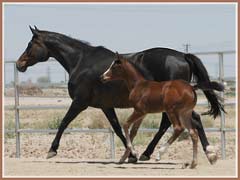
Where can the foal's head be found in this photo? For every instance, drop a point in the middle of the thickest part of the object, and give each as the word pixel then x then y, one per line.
pixel 35 52
pixel 116 71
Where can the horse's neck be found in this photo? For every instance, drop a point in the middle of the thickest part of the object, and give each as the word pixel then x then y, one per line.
pixel 66 54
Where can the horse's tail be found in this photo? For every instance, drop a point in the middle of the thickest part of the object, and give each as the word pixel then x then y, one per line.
pixel 206 86
pixel 201 74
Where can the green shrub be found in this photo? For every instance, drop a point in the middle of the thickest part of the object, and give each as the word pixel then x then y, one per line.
pixel 54 124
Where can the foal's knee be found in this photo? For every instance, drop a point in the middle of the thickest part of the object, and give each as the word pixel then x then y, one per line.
pixel 126 126
pixel 178 129
pixel 194 134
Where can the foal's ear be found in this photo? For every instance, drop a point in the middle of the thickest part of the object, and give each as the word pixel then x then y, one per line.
pixel 117 56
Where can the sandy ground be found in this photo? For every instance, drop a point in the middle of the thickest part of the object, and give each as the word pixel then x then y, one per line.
pixel 79 167
pixel 83 154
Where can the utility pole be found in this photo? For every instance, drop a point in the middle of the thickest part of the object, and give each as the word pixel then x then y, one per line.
pixel 186 47
pixel 48 74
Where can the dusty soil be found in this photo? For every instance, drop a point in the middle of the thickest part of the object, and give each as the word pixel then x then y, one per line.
pixel 83 154
pixel 78 167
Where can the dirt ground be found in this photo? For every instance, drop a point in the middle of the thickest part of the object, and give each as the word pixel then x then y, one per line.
pixel 88 154
pixel 79 167
pixel 82 154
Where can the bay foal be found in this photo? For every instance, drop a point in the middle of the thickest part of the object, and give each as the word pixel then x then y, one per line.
pixel 177 98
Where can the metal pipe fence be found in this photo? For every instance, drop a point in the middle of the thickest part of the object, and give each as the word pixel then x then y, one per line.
pixel 18 107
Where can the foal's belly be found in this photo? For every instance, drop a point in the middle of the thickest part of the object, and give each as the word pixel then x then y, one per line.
pixel 110 95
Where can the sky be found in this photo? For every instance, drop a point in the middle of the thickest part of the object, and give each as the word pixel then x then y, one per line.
pixel 125 27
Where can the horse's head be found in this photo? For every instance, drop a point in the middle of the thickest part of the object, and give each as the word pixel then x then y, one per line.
pixel 115 71
pixel 35 52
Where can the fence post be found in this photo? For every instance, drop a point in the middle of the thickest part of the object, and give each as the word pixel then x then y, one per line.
pixel 223 135
pixel 17 123
pixel 112 143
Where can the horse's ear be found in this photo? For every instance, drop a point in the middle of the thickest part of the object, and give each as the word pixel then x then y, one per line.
pixel 36 28
pixel 34 31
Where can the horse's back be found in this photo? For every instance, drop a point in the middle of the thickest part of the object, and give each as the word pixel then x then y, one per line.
pixel 163 63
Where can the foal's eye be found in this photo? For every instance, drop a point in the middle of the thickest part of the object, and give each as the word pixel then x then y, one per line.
pixel 117 62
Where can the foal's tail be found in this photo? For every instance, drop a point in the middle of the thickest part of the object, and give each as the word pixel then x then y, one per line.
pixel 200 73
pixel 211 85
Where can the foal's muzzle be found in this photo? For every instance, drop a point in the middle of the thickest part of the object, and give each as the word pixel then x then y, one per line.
pixel 104 78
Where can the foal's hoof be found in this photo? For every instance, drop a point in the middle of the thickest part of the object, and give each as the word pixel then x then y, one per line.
pixel 185 165
pixel 212 157
pixel 211 154
pixel 193 165
pixel 144 158
pixel 51 154
pixel 132 160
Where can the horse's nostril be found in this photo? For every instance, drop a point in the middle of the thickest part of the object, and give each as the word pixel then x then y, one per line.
pixel 20 67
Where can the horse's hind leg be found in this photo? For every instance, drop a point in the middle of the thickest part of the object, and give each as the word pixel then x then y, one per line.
pixel 177 130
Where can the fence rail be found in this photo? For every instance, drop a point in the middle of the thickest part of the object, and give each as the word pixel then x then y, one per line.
pixel 18 107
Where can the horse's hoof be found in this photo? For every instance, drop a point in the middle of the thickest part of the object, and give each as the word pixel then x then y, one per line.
pixel 121 161
pixel 144 158
pixel 51 154
pixel 132 160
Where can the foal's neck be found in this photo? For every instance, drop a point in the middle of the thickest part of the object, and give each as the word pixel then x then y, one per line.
pixel 132 76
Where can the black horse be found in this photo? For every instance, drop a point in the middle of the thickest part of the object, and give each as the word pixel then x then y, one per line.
pixel 86 63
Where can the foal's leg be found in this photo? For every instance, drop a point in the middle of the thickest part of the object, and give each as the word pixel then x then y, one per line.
pixel 164 125
pixel 135 116
pixel 194 135
pixel 208 149
pixel 135 128
pixel 186 120
pixel 112 118
pixel 177 130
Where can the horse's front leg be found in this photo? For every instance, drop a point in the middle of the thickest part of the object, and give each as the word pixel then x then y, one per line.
pixel 73 111
pixel 135 116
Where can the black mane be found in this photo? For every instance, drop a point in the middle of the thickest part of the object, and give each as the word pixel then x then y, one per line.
pixel 53 36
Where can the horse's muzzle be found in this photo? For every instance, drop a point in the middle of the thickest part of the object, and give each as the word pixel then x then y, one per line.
pixel 21 68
